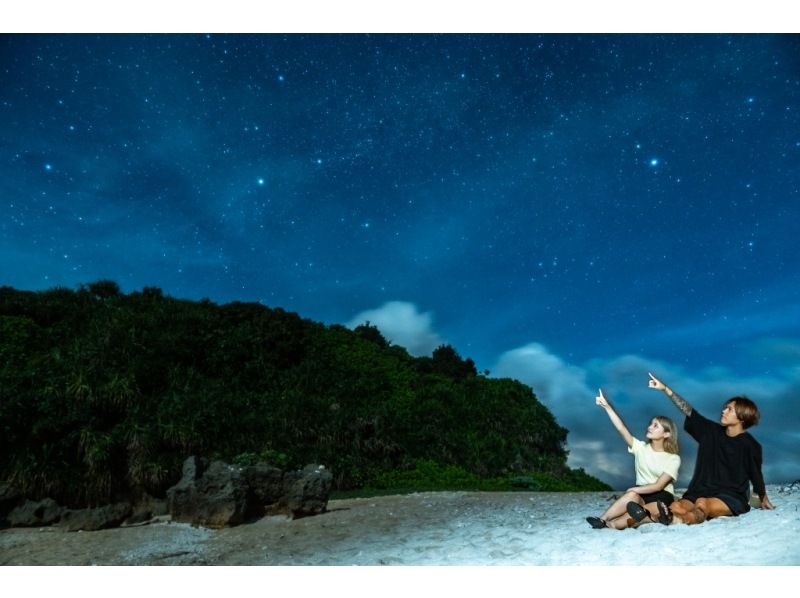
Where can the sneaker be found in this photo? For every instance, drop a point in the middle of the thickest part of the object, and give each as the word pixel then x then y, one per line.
pixel 596 522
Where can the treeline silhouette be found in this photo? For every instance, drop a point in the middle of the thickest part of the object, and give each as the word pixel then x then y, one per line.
pixel 104 393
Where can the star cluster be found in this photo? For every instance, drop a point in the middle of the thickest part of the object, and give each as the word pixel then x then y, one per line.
pixel 601 194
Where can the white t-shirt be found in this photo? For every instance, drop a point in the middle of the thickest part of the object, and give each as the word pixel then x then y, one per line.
pixel 650 464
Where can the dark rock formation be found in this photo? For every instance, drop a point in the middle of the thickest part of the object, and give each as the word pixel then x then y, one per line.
pixel 307 491
pixel 10 498
pixel 265 489
pixel 212 494
pixel 215 496
pixel 94 519
pixel 145 508
pixel 35 514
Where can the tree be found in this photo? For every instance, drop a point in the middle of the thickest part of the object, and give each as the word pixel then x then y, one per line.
pixel 448 362
pixel 104 289
pixel 371 333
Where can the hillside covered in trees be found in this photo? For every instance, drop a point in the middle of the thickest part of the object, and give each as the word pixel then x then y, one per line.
pixel 103 393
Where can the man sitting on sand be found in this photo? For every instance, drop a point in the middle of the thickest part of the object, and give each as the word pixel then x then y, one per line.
pixel 728 459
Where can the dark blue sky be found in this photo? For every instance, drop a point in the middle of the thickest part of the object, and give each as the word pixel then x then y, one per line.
pixel 569 210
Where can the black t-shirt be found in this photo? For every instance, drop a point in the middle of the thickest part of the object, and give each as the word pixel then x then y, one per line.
pixel 725 465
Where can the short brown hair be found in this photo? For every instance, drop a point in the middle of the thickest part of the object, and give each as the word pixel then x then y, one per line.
pixel 746 411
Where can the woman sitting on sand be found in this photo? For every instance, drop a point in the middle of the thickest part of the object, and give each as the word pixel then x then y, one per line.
pixel 656 463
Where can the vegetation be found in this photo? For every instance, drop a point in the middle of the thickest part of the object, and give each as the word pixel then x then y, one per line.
pixel 102 393
pixel 429 475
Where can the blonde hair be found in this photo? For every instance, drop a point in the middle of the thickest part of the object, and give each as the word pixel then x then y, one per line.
pixel 671 441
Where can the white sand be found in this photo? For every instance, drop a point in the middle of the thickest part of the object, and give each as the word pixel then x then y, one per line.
pixel 440 528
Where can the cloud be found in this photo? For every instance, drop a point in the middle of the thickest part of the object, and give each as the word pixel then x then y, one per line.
pixel 565 390
pixel 402 324
pixel 568 390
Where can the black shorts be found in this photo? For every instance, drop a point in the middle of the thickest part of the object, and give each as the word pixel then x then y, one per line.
pixel 661 495
pixel 734 503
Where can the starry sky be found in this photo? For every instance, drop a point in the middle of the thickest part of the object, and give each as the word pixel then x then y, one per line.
pixel 569 210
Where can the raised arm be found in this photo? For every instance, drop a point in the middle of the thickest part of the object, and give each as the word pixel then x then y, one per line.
pixel 612 415
pixel 679 401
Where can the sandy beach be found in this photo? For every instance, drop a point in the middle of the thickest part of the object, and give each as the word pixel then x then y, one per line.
pixel 435 528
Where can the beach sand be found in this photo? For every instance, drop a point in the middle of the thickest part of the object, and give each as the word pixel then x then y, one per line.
pixel 433 528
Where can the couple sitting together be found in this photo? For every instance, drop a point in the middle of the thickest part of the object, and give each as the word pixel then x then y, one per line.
pixel 728 460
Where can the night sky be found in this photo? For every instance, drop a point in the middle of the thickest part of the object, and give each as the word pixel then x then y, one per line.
pixel 572 211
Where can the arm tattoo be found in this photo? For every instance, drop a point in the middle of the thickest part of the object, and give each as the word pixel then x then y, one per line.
pixel 680 402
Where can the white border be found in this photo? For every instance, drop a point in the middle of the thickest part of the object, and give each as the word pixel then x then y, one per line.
pixel 391 582
pixel 399 16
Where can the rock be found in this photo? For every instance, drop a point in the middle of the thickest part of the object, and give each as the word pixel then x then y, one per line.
pixel 194 467
pixel 790 488
pixel 308 490
pixel 137 517
pixel 145 508
pixel 213 497
pixel 265 488
pixel 95 519
pixel 10 497
pixel 35 514
pixel 158 507
pixel 219 495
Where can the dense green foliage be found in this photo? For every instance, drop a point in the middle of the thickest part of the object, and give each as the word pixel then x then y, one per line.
pixel 102 392
pixel 429 475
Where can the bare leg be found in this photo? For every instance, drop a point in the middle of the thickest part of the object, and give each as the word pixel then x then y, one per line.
pixel 621 522
pixel 624 521
pixel 618 508
pixel 680 508
pixel 652 508
pixel 706 508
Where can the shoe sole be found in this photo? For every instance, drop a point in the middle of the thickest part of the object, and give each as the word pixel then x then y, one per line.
pixel 664 514
pixel 636 511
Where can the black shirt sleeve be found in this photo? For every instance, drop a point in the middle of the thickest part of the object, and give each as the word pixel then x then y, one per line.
pixel 756 476
pixel 697 426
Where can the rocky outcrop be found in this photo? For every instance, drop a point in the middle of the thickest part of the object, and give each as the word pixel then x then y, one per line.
pixel 219 495
pixel 210 493
pixel 265 489
pixel 145 508
pixel 213 495
pixel 35 513
pixel 10 498
pixel 95 519
pixel 307 491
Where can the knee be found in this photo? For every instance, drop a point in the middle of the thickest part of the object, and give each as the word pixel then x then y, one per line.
pixel 631 495
pixel 700 511
pixel 677 508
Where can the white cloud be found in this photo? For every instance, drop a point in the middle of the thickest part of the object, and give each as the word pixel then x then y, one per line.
pixel 402 323
pixel 569 390
pixel 556 382
pixel 565 391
